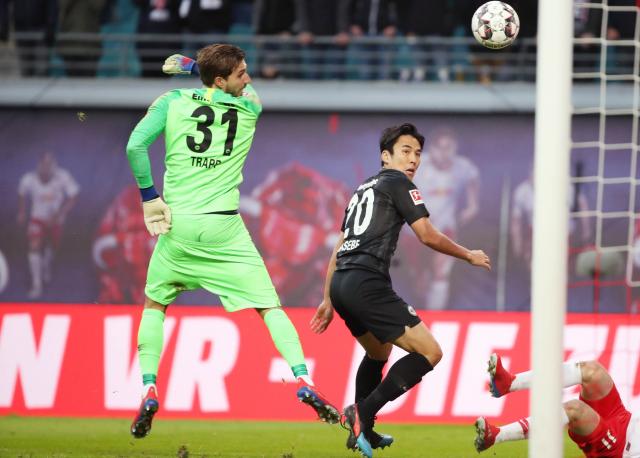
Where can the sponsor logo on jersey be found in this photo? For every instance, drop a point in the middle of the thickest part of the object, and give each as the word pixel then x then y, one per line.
pixel 349 245
pixel 411 310
pixel 416 197
pixel 198 97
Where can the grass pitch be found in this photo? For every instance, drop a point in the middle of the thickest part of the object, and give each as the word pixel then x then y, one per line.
pixel 64 437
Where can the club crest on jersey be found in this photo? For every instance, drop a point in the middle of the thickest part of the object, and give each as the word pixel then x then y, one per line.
pixel 416 197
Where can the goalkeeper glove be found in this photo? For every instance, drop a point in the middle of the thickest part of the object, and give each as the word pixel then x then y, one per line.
pixel 157 216
pixel 177 64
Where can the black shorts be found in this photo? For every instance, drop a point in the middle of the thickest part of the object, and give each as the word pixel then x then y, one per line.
pixel 366 302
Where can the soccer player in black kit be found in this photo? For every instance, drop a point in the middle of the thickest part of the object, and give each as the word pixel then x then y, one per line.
pixel 358 285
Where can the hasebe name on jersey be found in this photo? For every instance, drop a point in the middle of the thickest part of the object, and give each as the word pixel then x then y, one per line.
pixel 349 245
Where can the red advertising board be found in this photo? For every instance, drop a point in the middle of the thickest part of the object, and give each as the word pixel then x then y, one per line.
pixel 80 360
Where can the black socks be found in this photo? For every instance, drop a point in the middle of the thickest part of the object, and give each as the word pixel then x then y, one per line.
pixel 368 377
pixel 403 375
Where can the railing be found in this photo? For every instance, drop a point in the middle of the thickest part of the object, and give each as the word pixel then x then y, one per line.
pixel 366 58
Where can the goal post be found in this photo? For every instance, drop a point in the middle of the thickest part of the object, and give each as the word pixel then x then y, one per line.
pixel 550 224
pixel 606 119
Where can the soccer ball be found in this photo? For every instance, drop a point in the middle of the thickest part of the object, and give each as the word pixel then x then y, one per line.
pixel 495 25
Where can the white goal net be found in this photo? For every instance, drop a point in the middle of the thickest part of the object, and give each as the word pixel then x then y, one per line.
pixel 602 271
pixel 605 207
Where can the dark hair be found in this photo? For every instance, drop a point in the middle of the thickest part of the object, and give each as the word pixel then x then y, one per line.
pixel 218 60
pixel 390 136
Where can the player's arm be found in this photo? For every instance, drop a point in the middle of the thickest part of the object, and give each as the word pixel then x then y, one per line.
pixel 408 202
pixel 471 180
pixel 22 199
pixel 66 207
pixel 71 190
pixel 436 240
pixel 157 216
pixel 22 209
pixel 471 209
pixel 177 64
pixel 324 313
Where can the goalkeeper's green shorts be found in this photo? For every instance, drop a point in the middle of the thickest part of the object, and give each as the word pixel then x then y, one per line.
pixel 214 252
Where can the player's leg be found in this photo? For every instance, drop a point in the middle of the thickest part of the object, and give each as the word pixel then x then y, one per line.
pixel 286 339
pixel 50 246
pixel 585 417
pixel 596 381
pixel 368 378
pixel 438 292
pixel 150 341
pixel 226 262
pixel 501 381
pixel 162 288
pixel 35 235
pixel 598 423
pixel 367 303
pixel 164 283
pixel 583 422
pixel 487 434
pixel 47 260
pixel 424 353
pixel 346 297
pixel 581 418
pixel 402 376
pixel 599 427
pixel 369 373
pixel 230 266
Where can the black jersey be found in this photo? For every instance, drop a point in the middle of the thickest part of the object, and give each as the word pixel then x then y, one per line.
pixel 373 219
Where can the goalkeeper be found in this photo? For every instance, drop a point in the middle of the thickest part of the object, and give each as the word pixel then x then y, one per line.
pixel 203 241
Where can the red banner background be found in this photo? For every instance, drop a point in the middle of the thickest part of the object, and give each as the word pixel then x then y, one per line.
pixel 80 360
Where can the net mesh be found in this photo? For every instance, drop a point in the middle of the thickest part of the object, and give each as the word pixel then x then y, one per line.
pixel 604 263
pixel 605 215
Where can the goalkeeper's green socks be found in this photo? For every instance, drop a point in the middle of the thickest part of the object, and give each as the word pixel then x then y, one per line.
pixel 285 337
pixel 283 333
pixel 150 339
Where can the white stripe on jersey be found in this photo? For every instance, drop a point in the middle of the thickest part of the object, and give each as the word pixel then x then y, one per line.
pixel 633 438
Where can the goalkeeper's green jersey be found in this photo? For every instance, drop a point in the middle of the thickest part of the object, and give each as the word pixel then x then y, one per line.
pixel 207 134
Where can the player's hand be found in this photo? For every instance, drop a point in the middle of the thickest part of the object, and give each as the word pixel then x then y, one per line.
pixel 177 64
pixel 322 318
pixel 479 258
pixel 157 216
